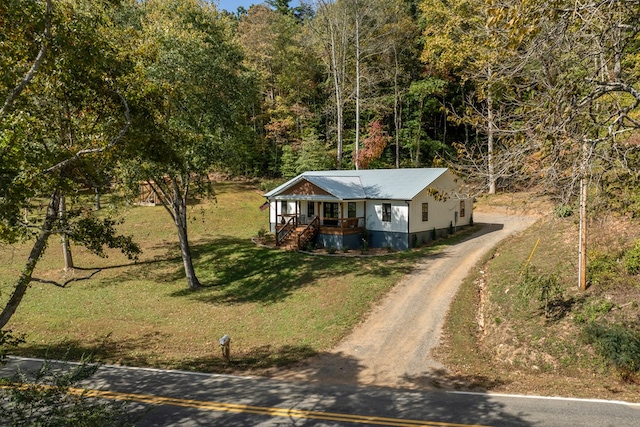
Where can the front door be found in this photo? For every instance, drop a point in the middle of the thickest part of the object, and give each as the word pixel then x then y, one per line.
pixel 331 211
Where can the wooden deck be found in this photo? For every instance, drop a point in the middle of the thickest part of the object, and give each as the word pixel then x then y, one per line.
pixel 292 230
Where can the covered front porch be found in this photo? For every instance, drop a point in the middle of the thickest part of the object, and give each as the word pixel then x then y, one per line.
pixel 323 223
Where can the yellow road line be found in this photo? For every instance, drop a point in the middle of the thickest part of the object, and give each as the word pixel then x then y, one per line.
pixel 260 410
pixel 264 410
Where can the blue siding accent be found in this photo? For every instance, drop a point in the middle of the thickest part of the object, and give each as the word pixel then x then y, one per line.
pixel 329 241
pixel 353 241
pixel 350 241
pixel 386 239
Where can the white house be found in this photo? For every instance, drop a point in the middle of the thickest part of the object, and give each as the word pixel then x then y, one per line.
pixel 395 208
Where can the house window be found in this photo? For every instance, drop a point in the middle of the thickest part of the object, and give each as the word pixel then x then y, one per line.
pixel 311 209
pixel 425 212
pixel 330 214
pixel 462 209
pixel 331 210
pixel 386 212
pixel 284 207
pixel 351 210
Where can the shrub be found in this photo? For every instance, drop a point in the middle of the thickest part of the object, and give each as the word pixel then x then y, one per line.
pixel 364 238
pixel 262 232
pixel 8 341
pixel 618 344
pixel 45 398
pixel 631 259
pixel 332 250
pixel 269 238
pixel 563 211
pixel 602 269
pixel 545 288
pixel 590 311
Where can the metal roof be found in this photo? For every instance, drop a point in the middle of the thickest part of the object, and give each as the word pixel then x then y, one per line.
pixel 385 184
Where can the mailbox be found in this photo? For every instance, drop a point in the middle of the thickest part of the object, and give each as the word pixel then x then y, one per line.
pixel 225 340
pixel 225 344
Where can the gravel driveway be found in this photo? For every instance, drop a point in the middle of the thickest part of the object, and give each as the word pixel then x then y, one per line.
pixel 392 347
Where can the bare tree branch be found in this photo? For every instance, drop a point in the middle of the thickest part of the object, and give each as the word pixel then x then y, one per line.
pixel 34 67
pixel 87 151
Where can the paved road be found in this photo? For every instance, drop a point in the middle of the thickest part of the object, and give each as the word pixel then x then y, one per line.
pixel 192 399
pixel 393 346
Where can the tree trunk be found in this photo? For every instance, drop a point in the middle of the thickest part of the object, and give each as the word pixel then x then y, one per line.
pixel 97 203
pixel 37 250
pixel 396 106
pixel 582 238
pixel 185 251
pixel 338 93
pixel 490 144
pixel 180 220
pixel 357 143
pixel 66 247
pixel 417 159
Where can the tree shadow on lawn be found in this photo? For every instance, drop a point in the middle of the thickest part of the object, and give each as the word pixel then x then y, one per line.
pixel 237 271
pixel 139 351
pixel 107 350
pixel 255 359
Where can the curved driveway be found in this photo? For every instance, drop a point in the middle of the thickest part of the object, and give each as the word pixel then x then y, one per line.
pixel 392 347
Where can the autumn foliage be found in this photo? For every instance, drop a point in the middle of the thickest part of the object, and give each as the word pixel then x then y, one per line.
pixel 374 144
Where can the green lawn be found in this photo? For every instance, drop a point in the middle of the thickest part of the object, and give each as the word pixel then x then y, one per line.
pixel 277 306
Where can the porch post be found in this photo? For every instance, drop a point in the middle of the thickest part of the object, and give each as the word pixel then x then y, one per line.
pixel 277 202
pixel 364 216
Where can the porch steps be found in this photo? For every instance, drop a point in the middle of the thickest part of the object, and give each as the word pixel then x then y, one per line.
pixel 290 243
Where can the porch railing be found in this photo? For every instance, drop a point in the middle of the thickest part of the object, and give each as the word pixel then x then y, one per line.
pixel 309 233
pixel 286 229
pixel 343 223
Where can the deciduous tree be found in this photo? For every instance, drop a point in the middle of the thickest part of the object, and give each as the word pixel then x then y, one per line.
pixel 193 95
pixel 63 106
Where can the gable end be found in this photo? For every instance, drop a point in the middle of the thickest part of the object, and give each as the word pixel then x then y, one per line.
pixel 305 188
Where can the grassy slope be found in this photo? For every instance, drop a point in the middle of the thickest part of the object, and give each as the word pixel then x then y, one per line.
pixel 496 339
pixel 277 306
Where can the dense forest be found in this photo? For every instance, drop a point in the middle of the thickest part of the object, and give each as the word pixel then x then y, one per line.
pixel 97 95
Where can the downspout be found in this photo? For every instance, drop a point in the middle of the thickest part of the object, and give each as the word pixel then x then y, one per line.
pixel 408 202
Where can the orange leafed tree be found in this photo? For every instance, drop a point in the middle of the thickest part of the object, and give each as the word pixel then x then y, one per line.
pixel 374 144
